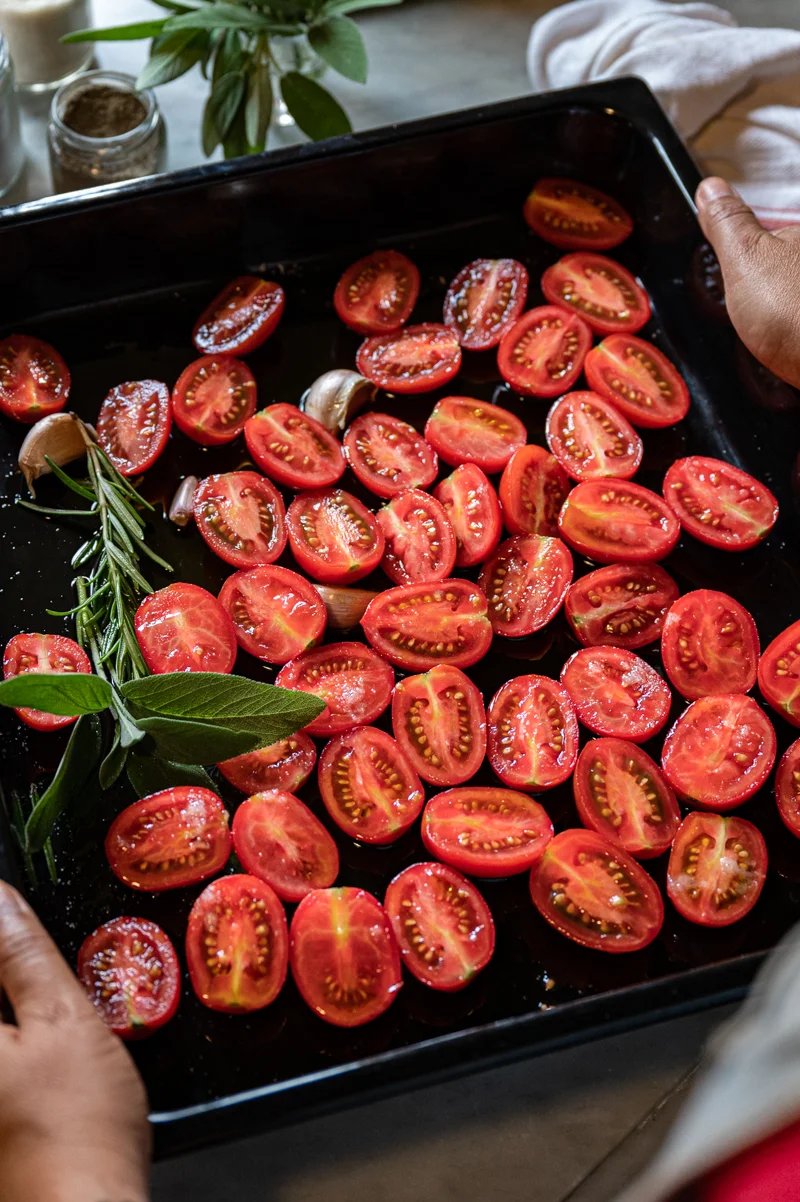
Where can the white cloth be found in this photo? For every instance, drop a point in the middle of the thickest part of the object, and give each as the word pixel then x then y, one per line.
pixel 732 92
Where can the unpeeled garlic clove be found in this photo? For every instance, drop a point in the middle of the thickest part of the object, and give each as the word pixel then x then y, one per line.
pixel 58 437
pixel 336 397
pixel 181 511
pixel 345 606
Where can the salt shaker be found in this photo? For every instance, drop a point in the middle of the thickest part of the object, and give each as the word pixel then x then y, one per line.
pixel 33 30
pixel 11 156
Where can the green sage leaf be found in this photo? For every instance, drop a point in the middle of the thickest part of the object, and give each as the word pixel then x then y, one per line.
pixel 339 42
pixel 175 54
pixel 200 742
pixel 62 693
pixel 113 765
pixel 234 144
pixel 150 773
pixel 119 33
pixel 232 16
pixel 230 54
pixel 210 138
pixel 315 110
pixel 258 108
pixel 332 7
pixel 226 96
pixel 77 763
pixel 217 697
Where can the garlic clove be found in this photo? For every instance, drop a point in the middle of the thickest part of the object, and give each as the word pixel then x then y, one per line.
pixel 58 437
pixel 345 606
pixel 336 397
pixel 181 511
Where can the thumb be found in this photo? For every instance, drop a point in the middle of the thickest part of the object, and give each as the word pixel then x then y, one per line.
pixel 33 973
pixel 728 223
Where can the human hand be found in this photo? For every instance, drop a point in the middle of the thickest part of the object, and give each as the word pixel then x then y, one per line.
pixel 761 271
pixel 73 1110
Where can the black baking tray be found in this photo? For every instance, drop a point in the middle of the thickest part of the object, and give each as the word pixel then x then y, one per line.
pixel 115 279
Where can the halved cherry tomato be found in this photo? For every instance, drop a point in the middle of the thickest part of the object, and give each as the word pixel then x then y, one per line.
pixel 34 379
pixel 415 359
pixel 276 613
pixel 616 693
pixel 622 605
pixel 183 628
pixel 241 517
pixel 134 424
pixel 213 398
pixel 471 504
pixel 285 765
pixel 575 216
pixel 787 788
pixel 170 839
pixel 240 318
pixel 345 959
pixel 621 793
pixel 618 521
pixel 486 832
pixel 280 841
pixel 720 751
pixel 43 653
pixel 388 455
pixel 131 973
pixel 333 536
pixel 778 673
pixel 533 487
pixel 591 439
pixel 292 448
pixel 237 945
pixel 636 377
pixel 442 925
pixel 439 721
pixel 377 293
pixel 709 645
pixel 596 894
pixel 420 543
pixel 533 734
pixel 525 583
pixel 599 290
pixel 543 352
pixel 369 785
pixel 717 869
pixel 354 682
pixel 465 430
pixel 720 504
pixel 421 625
pixel 486 297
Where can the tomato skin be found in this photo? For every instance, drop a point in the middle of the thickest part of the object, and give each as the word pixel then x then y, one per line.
pixel 709 645
pixel 575 216
pixel 333 536
pixel 34 379
pixel 183 628
pixel 531 747
pixel 279 435
pixel 354 681
pixel 345 959
pixel 487 833
pixel 462 429
pixel 439 721
pixel 616 693
pixel 618 521
pixel 525 583
pixel 458 632
pixel 144 984
pixel 473 509
pixel 621 605
pixel 275 613
pixel 618 303
pixel 206 384
pixel 240 317
pixel 697 865
pixel 354 781
pixel 621 793
pixel 591 440
pixel 414 902
pixel 787 788
pixel 241 517
pixel 693 488
pixel 281 842
pixel 420 543
pixel 147 841
pixel 414 359
pixel 43 653
pixel 284 765
pixel 376 294
pixel 499 288
pixel 639 380
pixel 134 424
pixel 388 455
pixel 572 863
pixel 543 352
pixel 779 674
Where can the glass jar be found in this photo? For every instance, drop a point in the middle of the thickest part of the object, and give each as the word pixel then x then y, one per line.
pixel 11 156
pixel 79 161
pixel 33 29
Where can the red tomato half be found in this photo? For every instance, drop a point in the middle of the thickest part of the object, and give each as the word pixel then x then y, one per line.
pixel 129 969
pixel 596 894
pixel 600 291
pixel 486 297
pixel 134 424
pixel 471 504
pixel 622 605
pixel 717 869
pixel 183 628
pixel 240 318
pixel 464 430
pixel 533 488
pixel 333 536
pixel 616 693
pixel 237 945
pixel 43 653
pixel 241 517
pixel 621 793
pixel 709 645
pixel 416 359
pixel 618 521
pixel 280 841
pixel 439 721
pixel 720 751
pixel 355 684
pixel 442 925
pixel 486 832
pixel 543 352
pixel 34 379
pixel 422 625
pixel 276 613
pixel 639 380
pixel 170 839
pixel 575 216
pixel 533 734
pixel 285 765
pixel 525 583
pixel 213 398
pixel 345 959
pixel 369 786
pixel 389 456
pixel 591 439
pixel 377 293
pixel 420 543
pixel 787 788
pixel 720 504
pixel 292 448
pixel 779 674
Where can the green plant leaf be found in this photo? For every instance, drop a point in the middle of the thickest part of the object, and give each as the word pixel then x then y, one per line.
pixel 350 6
pixel 232 16
pixel 63 693
pixel 150 773
pixel 217 697
pixel 77 763
pixel 339 42
pixel 226 96
pixel 315 110
pixel 176 54
pixel 119 33
pixel 201 742
pixel 258 108
pixel 234 143
pixel 209 137
pixel 230 54
pixel 113 765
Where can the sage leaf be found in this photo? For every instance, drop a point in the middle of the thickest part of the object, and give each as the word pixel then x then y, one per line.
pixel 77 763
pixel 232 16
pixel 226 96
pixel 339 42
pixel 189 742
pixel 113 765
pixel 174 55
pixel 234 144
pixel 350 6
pixel 209 137
pixel 229 56
pixel 150 773
pixel 258 109
pixel 217 697
pixel 62 693
pixel 119 33
pixel 315 110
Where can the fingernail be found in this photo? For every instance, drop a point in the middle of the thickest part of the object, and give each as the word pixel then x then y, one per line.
pixel 715 188
pixel 11 903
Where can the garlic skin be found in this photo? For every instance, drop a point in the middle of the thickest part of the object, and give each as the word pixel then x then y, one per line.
pixel 181 511
pixel 336 397
pixel 57 436
pixel 345 606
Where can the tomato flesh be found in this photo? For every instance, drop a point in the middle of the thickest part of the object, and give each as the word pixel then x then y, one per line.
pixel 639 380
pixel 616 693
pixel 284 765
pixel 369 786
pixel 543 352
pixel 34 379
pixel 779 674
pixel 486 832
pixel 333 536
pixel 420 543
pixel 421 625
pixel 293 448
pixel 280 841
pixel 618 521
pixel 525 583
pixel 787 788
pixel 241 517
pixel 486 297
pixel 43 653
pixel 717 869
pixel 621 605
pixel 533 734
pixel 462 429
pixel 354 682
pixel 131 973
pixel 720 504
pixel 240 318
pixel 709 645
pixel 213 399
pixel 377 293
pixel 621 793
pixel 183 628
pixel 602 292
pixel 388 455
pixel 134 424
pixel 473 509
pixel 533 487
pixel 276 614
pixel 591 440
pixel 575 216
pixel 414 359
pixel 439 721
